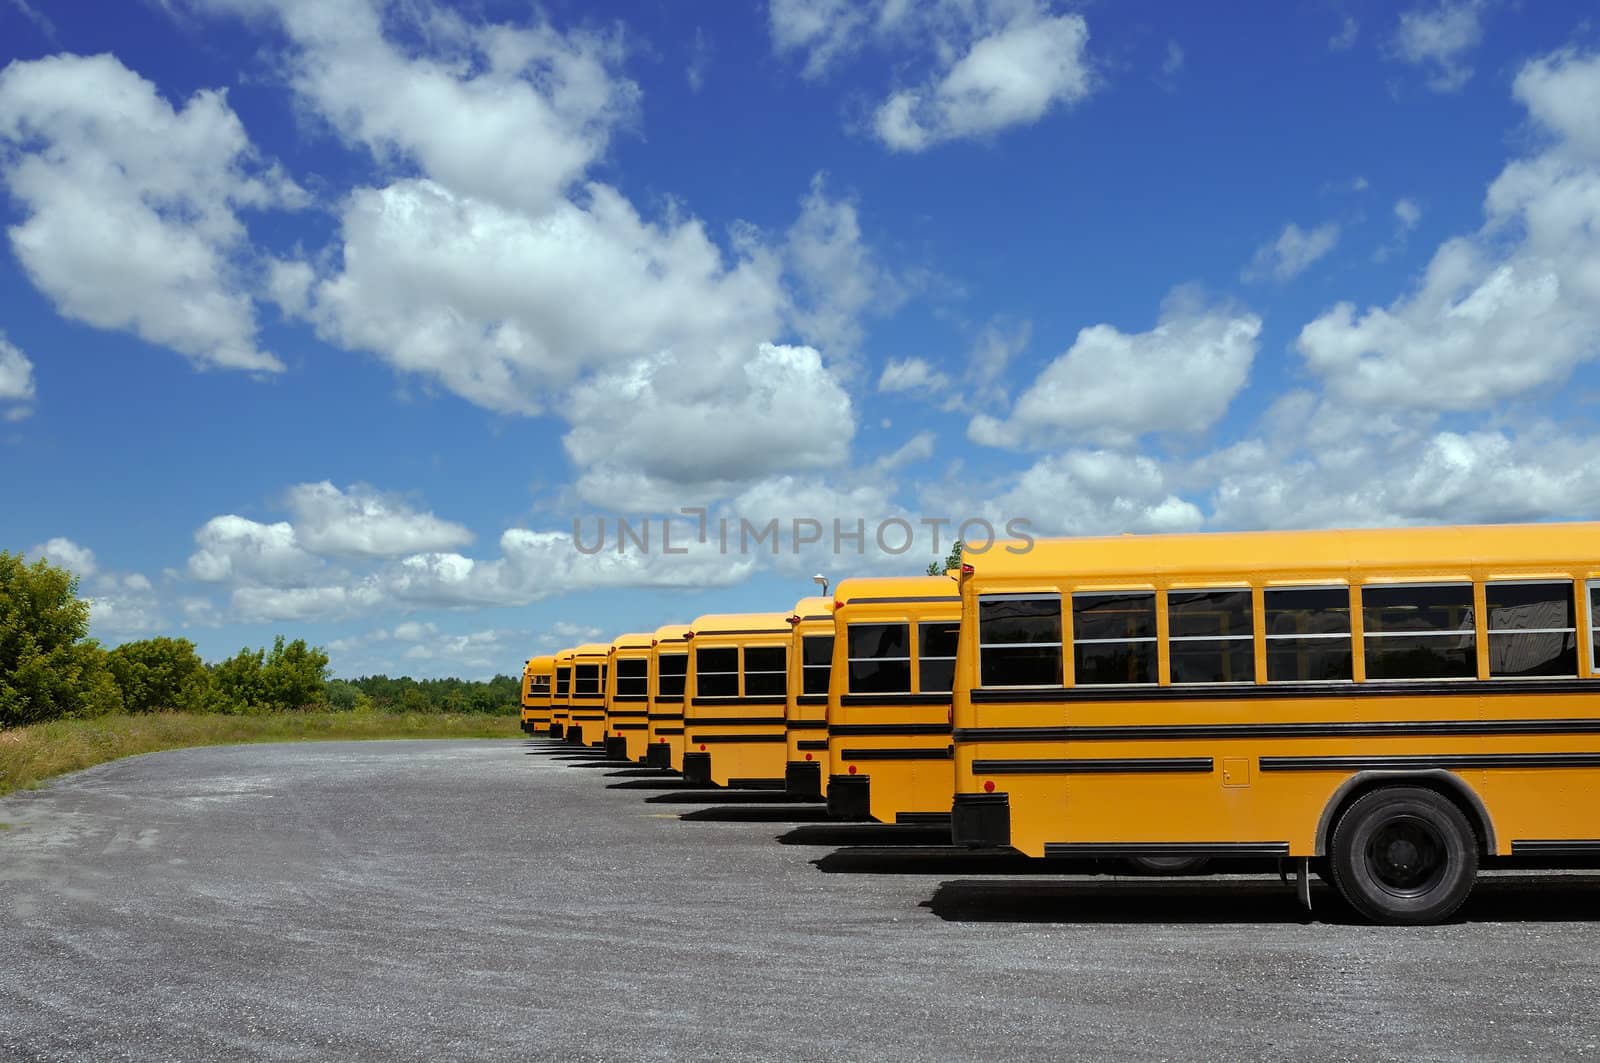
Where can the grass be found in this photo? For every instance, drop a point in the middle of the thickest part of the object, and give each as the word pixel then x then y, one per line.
pixel 30 755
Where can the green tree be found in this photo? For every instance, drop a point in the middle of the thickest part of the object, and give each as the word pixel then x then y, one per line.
pixel 295 676
pixel 237 683
pixel 49 667
pixel 160 673
pixel 952 560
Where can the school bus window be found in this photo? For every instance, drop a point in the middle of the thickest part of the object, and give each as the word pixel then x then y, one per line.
pixel 1533 629
pixel 1594 632
pixel 1308 634
pixel 633 677
pixel 672 667
pixel 716 672
pixel 936 656
pixel 1419 631
pixel 586 681
pixel 816 662
pixel 563 679
pixel 1211 636
pixel 539 684
pixel 766 671
pixel 880 658
pixel 1114 637
pixel 1019 640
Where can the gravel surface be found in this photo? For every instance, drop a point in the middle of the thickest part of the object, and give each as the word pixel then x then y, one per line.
pixel 462 900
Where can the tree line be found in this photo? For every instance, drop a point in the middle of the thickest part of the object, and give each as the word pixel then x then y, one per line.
pixel 51 669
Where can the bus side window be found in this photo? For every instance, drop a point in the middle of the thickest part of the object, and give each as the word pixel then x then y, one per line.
pixel 633 677
pixel 1419 631
pixel 1308 634
pixel 936 655
pixel 1211 636
pixel 816 663
pixel 880 658
pixel 1019 640
pixel 586 681
pixel 1114 637
pixel 1533 628
pixel 672 669
pixel 716 672
pixel 766 671
pixel 563 681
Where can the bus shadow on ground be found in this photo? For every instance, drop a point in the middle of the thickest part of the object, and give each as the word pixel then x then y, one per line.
pixel 702 796
pixel 603 763
pixel 1499 899
pixel 640 773
pixel 924 859
pixel 756 814
pixel 665 782
pixel 837 834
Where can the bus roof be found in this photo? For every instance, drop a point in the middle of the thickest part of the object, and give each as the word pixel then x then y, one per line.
pixel 895 587
pixel 565 656
pixel 1374 549
pixel 728 623
pixel 815 607
pixel 540 664
pixel 593 649
pixel 633 640
pixel 671 631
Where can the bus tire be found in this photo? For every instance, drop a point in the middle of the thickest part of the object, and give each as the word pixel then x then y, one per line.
pixel 1167 865
pixel 1403 855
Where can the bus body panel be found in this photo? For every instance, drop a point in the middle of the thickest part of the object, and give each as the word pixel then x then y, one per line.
pixel 738 731
pixel 890 754
pixel 561 694
pixel 1259 766
pixel 664 733
pixel 537 686
pixel 586 708
pixel 627 697
pixel 806 713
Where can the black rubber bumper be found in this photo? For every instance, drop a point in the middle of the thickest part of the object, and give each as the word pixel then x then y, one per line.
pixel 658 756
pixel 527 727
pixel 981 821
pixel 697 769
pixel 616 748
pixel 574 735
pixel 850 797
pixel 803 778
pixel 555 729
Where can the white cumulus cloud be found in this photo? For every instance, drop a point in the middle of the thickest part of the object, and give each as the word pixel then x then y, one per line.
pixel 64 553
pixel 1512 307
pixel 364 522
pixel 237 549
pixel 1293 252
pixel 131 205
pixel 1113 387
pixel 1440 38
pixel 17 388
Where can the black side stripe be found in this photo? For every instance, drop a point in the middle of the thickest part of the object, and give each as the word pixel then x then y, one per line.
pixel 621 714
pixel 775 699
pixel 811 699
pixel 669 730
pixel 629 697
pixel 1448 762
pixel 812 745
pixel 1105 766
pixel 630 727
pixel 1084 849
pixel 884 730
pixel 808 725
pixel 666 716
pixel 669 700
pixel 1275 691
pixel 942 753
pixel 1535 848
pixel 1327 729
pixel 892 700
pixel 734 721
pixel 717 739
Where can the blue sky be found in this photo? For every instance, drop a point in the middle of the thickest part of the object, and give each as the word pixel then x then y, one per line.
pixel 332 319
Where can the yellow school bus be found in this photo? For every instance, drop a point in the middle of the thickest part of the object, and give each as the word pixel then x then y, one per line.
pixel 669 665
pixel 628 696
pixel 536 681
pixel 894 657
pixel 806 710
pixel 561 694
pixel 586 708
pixel 1387 706
pixel 734 713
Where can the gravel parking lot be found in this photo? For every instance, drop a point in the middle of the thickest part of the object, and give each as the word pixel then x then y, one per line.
pixel 430 900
